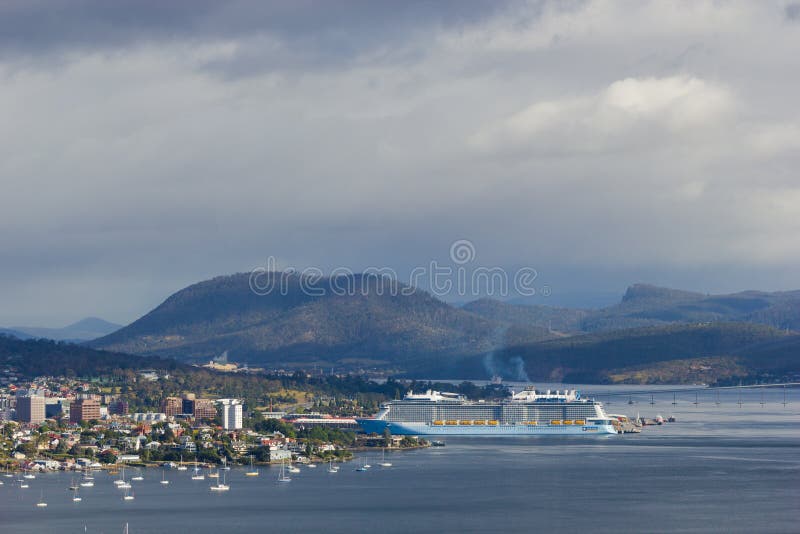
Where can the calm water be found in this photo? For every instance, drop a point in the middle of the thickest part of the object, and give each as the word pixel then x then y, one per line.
pixel 720 468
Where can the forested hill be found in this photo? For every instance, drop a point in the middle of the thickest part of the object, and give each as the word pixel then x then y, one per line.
pixel 669 354
pixel 34 357
pixel 376 322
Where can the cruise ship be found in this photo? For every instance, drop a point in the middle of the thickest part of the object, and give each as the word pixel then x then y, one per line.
pixel 529 412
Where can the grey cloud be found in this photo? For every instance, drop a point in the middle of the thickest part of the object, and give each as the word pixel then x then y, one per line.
pixel 170 142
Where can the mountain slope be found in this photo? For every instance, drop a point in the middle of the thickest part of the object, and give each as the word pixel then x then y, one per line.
pixel 747 348
pixel 305 323
pixel 84 330
pixel 563 320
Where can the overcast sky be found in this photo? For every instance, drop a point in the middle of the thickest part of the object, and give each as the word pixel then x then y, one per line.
pixel 145 146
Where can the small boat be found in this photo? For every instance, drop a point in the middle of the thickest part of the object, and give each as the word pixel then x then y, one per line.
pixel 29 476
pixel 293 469
pixel 182 467
pixel 252 472
pixel 437 443
pixel 364 466
pixel 332 468
pixel 197 474
pixel 283 477
pixel 213 474
pixel 221 486
pixel 137 478
pixel 384 463
pixel 312 466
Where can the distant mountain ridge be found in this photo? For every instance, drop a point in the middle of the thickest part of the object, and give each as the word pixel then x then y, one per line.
pixel 83 330
pixel 646 305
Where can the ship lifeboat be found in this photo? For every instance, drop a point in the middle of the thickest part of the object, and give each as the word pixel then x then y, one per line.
pixel 438 423
pixel 465 422
pixel 479 422
pixel 492 423
pixel 580 422
pixel 568 422
pixel 533 422
pixel 451 422
pixel 555 422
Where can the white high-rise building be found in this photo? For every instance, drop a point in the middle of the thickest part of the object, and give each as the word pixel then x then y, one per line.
pixel 231 414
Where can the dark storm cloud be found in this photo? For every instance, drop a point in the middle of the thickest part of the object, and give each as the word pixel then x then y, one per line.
pixel 314 32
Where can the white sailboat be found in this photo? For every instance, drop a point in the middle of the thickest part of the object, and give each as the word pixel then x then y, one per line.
pixel 283 477
pixel 138 477
pixel 221 486
pixel 128 496
pixel 252 472
pixel 41 503
pixel 87 481
pixel 164 480
pixel 120 482
pixel 197 474
pixel 75 496
pixel 8 472
pixel 332 468
pixel 182 467
pixel 384 463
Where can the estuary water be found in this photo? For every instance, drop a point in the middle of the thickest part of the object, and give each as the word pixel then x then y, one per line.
pixel 720 468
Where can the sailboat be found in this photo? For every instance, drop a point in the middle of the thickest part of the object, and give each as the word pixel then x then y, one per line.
pixel 75 497
pixel 182 467
pixel 363 467
pixel 28 475
pixel 221 486
pixel 73 486
pixel 252 472
pixel 384 463
pixel 293 469
pixel 197 474
pixel 332 468
pixel 225 465
pixel 128 496
pixel 213 474
pixel 87 480
pixel 41 503
pixel 120 482
pixel 164 480
pixel 138 477
pixel 8 472
pixel 283 477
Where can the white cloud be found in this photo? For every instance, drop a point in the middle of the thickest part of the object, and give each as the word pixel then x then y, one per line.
pixel 675 109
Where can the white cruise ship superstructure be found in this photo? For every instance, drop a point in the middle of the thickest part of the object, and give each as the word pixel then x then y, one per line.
pixel 528 412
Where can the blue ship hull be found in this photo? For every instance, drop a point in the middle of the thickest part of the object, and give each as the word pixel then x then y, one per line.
pixel 378 426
